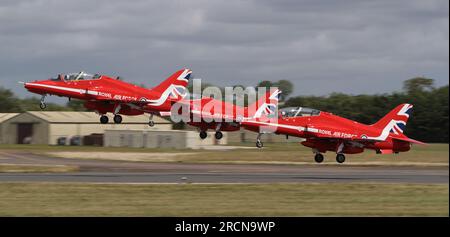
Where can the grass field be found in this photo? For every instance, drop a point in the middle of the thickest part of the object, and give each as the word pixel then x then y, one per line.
pixel 284 153
pixel 64 199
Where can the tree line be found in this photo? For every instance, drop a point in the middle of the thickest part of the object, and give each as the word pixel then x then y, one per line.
pixel 429 121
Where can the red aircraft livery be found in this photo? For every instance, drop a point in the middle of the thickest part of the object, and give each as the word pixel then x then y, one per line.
pixel 104 94
pixel 327 132
pixel 209 113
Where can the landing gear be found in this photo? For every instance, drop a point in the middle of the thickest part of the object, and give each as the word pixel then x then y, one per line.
pixel 104 119
pixel 340 158
pixel 117 118
pixel 259 143
pixel 218 135
pixel 318 158
pixel 203 135
pixel 42 105
pixel 151 123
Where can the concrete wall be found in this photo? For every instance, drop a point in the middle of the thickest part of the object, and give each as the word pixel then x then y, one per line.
pixel 158 139
pixel 70 130
pixel 2 134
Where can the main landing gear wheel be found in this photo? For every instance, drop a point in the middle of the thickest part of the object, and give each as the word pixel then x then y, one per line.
pixel 259 144
pixel 42 105
pixel 104 119
pixel 117 118
pixel 340 158
pixel 318 158
pixel 218 135
pixel 203 135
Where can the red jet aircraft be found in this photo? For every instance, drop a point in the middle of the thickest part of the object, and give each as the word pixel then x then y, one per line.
pixel 327 132
pixel 104 94
pixel 209 113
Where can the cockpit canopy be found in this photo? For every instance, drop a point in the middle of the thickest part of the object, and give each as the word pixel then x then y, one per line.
pixel 77 76
pixel 298 112
pixel 80 76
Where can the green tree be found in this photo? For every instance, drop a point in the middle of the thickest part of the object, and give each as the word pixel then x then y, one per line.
pixel 32 104
pixel 8 102
pixel 418 85
pixel 286 88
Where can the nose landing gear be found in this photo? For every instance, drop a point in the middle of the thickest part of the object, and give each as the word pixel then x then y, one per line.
pixel 259 143
pixel 42 105
pixel 151 123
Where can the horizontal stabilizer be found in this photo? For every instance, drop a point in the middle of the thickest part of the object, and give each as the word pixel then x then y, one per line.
pixel 407 139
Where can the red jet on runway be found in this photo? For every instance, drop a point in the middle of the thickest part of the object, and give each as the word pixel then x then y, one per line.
pixel 327 132
pixel 104 94
pixel 209 113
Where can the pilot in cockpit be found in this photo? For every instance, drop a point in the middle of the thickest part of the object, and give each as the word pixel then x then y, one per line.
pixel 292 112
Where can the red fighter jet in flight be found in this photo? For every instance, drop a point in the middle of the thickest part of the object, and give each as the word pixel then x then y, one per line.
pixel 327 132
pixel 209 113
pixel 104 94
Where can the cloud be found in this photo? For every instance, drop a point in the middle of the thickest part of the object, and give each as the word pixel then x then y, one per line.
pixel 321 46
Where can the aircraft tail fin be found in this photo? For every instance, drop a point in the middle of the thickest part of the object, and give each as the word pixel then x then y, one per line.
pixel 179 81
pixel 266 105
pixel 395 120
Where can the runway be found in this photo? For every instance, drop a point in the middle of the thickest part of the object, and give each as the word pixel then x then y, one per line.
pixel 101 171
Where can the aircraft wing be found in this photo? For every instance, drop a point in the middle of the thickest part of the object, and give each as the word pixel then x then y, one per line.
pixel 362 140
pixel 314 133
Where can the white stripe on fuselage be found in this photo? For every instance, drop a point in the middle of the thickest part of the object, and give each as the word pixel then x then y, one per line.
pixel 81 91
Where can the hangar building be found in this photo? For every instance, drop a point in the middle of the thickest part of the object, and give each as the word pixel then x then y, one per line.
pixel 38 127
pixel 4 117
pixel 176 139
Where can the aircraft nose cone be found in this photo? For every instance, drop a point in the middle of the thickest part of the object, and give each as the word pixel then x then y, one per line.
pixel 29 86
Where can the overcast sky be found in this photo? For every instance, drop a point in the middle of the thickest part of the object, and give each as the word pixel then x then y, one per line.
pixel 321 46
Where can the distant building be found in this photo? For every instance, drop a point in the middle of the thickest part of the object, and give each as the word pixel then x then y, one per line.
pixel 55 127
pixel 176 139
pixel 4 117
pixel 40 127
